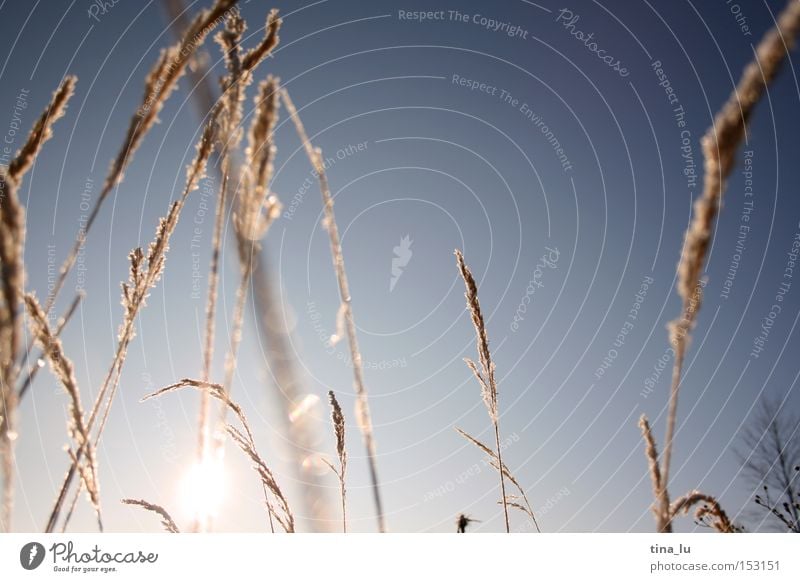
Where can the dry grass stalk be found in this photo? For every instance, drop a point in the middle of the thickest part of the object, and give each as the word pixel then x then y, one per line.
pixel 257 54
pixel 34 368
pixel 166 519
pixel 160 83
pixel 211 300
pixel 211 310
pixel 240 75
pixel 12 216
pixel 710 513
pixel 710 509
pixel 363 416
pixel 527 508
pixel 85 480
pixel 256 208
pixel 337 418
pixel 64 371
pixel 285 385
pixel 134 293
pixel 520 503
pixel 489 452
pixel 218 392
pixel 485 375
pixel 230 107
pixel 42 130
pixel 510 500
pixel 12 246
pixel 145 271
pixel 659 491
pixel 720 144
pixel 286 519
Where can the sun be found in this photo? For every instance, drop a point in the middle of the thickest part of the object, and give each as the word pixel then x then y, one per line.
pixel 203 488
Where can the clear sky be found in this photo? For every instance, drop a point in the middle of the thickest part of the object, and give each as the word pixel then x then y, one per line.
pixel 490 127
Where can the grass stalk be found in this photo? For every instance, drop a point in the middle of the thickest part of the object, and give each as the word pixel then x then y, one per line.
pixel 485 375
pixel 241 66
pixel 159 86
pixel 720 145
pixel 166 519
pixel 363 416
pixel 337 419
pixel 145 272
pixel 12 283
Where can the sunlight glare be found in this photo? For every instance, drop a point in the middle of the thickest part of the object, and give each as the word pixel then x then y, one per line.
pixel 304 407
pixel 203 488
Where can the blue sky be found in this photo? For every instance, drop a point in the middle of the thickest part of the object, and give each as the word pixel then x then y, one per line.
pixel 454 134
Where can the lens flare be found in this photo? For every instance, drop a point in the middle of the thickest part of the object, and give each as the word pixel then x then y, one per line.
pixel 304 408
pixel 315 465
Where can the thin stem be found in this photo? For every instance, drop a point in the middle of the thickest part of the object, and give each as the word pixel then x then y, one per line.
pixel 33 370
pixel 344 504
pixel 211 309
pixel 672 414
pixel 362 402
pixel 135 294
pixel 719 144
pixel 160 84
pixel 502 478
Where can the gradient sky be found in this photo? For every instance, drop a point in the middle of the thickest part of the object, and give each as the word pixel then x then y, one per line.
pixel 448 167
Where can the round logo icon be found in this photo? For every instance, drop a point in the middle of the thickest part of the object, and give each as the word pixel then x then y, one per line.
pixel 31 555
